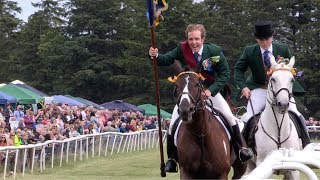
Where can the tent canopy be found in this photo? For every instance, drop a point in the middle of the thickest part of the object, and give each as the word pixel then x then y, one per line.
pixel 6 98
pixel 151 110
pixel 24 96
pixel 84 101
pixel 121 105
pixel 26 86
pixel 67 100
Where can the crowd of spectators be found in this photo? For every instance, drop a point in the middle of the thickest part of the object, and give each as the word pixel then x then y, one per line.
pixel 21 126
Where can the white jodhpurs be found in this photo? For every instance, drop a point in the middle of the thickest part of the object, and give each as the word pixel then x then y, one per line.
pixel 258 99
pixel 218 102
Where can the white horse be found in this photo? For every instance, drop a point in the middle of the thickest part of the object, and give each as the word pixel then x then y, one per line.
pixel 275 128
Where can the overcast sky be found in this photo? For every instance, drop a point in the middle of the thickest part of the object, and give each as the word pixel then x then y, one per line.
pixel 27 8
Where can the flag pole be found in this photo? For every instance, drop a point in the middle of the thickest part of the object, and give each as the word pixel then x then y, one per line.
pixel 155 70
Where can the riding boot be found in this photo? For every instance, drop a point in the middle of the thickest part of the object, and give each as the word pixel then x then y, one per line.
pixel 243 153
pixel 171 164
pixel 304 132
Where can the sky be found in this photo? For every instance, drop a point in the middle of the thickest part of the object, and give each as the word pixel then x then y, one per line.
pixel 27 8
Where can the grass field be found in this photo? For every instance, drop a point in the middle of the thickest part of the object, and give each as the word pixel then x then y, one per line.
pixel 135 165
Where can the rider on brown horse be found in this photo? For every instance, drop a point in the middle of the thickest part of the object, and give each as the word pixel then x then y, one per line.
pixel 216 72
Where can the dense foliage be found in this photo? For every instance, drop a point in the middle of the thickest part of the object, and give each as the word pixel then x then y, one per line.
pixel 98 49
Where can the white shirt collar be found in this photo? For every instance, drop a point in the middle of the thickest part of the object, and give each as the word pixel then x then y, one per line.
pixel 200 51
pixel 269 49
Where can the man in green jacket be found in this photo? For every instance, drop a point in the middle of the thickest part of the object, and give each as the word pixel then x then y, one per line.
pixel 216 73
pixel 254 87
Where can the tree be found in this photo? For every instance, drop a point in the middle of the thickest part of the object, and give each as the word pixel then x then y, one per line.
pixel 9 24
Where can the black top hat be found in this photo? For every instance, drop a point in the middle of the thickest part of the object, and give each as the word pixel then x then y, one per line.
pixel 263 29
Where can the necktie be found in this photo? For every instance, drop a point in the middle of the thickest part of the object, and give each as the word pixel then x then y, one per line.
pixel 266 59
pixel 196 56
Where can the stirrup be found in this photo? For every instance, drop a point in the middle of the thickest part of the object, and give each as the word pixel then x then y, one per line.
pixel 248 154
pixel 171 166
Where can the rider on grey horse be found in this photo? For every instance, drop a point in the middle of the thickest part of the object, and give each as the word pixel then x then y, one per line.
pixel 257 58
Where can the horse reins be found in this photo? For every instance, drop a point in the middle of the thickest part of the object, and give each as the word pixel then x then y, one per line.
pixel 273 103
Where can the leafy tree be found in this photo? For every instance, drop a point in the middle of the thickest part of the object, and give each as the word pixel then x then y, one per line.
pixel 9 24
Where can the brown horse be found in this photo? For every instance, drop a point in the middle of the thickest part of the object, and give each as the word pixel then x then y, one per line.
pixel 202 144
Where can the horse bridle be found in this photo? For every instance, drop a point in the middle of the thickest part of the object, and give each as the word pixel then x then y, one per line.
pixel 197 100
pixel 273 104
pixel 274 101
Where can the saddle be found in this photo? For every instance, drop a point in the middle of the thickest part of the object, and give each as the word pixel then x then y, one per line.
pixel 250 128
pixel 296 122
pixel 221 119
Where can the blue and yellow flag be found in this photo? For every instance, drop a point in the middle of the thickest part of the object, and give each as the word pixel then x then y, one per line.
pixel 154 9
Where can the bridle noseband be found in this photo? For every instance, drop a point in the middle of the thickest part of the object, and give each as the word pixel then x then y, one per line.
pixel 273 101
pixel 197 101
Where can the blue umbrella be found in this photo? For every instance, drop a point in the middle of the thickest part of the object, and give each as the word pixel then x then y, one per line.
pixel 6 98
pixel 66 100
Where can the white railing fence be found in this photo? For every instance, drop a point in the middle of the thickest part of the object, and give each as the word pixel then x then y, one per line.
pixel 32 157
pixel 290 159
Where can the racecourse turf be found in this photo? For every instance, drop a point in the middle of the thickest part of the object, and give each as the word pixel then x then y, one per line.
pixel 133 165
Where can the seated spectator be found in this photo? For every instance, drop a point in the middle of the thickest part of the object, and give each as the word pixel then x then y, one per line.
pixel 122 128
pixel 311 123
pixel 150 124
pixel 140 126
pixel 132 127
pixel 45 119
pixel 74 132
pixel 109 128
pixel 3 140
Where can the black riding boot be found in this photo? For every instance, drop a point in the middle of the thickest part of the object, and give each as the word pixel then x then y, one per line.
pixel 304 132
pixel 171 164
pixel 243 153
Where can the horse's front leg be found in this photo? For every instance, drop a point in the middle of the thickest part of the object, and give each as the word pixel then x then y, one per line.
pixel 184 174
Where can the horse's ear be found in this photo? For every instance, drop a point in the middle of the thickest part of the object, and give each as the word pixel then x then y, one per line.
pixel 291 62
pixel 273 62
pixel 197 68
pixel 177 66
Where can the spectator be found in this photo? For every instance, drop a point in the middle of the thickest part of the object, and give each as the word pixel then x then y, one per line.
pixel 3 140
pixel 150 124
pixel 17 139
pixel 74 132
pixel 109 128
pixel 7 113
pixel 18 113
pixel 122 128
pixel 28 120
pixel 140 126
pixel 21 124
pixel 132 127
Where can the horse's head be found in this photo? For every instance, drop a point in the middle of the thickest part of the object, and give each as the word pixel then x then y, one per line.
pixel 280 84
pixel 188 92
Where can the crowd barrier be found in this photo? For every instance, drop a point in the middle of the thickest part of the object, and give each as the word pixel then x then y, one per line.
pixel 28 158
pixel 304 161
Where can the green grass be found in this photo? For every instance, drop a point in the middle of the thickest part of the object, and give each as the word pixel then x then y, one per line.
pixel 134 165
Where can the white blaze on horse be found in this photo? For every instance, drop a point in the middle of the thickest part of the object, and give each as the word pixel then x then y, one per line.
pixel 275 128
